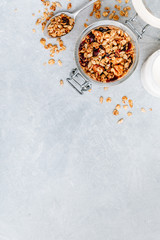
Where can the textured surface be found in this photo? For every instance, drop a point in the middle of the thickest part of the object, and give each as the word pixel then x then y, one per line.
pixel 67 170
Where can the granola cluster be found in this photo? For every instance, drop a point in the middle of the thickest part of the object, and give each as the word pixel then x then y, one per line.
pixel 112 14
pixel 106 54
pixel 60 25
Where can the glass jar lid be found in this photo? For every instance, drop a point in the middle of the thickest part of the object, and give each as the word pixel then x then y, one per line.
pixel 149 11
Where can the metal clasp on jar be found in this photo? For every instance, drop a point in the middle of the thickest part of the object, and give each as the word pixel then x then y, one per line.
pixel 78 82
pixel 130 24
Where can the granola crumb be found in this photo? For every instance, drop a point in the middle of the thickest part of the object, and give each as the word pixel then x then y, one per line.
pixel 115 112
pixel 69 6
pixel 59 62
pixel 118 106
pixel 101 99
pixel 85 25
pixel 39 20
pixel 125 107
pixel 90 90
pixel 43 41
pixel 105 88
pixel 61 82
pixel 33 14
pixel 33 30
pixel 150 109
pixel 143 110
pixel 124 98
pixel 130 103
pixel 129 114
pixel 120 121
pixel 51 62
pixel 126 1
pixel 118 7
pixel 44 64
pixel 116 17
pixel 105 14
pixel 109 100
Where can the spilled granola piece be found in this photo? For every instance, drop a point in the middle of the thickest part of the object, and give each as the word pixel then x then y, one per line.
pixel 60 25
pixel 115 112
pixel 130 103
pixel 96 9
pixel 120 121
pixel 61 82
pixel 101 99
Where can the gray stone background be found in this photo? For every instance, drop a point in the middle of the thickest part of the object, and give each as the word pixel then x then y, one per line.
pixel 67 170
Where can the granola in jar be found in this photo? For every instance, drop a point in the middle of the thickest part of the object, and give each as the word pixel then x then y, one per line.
pixel 60 25
pixel 106 54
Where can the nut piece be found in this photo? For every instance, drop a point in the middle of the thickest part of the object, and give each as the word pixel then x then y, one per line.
pixel 61 82
pixel 115 112
pixel 118 106
pixel 129 114
pixel 120 121
pixel 130 103
pixel 101 99
pixel 109 100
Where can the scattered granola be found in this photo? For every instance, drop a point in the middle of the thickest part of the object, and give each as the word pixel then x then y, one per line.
pixel 143 110
pixel 61 82
pixel 120 121
pixel 60 25
pixel 106 54
pixel 43 41
pixel 115 112
pixel 101 99
pixel 96 9
pixel 125 107
pixel 109 100
pixel 105 14
pixel 59 63
pixel 118 106
pixel 105 88
pixel 130 103
pixel 85 25
pixel 124 99
pixel 129 114
pixel 51 62
pixel 34 30
pixel 69 6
